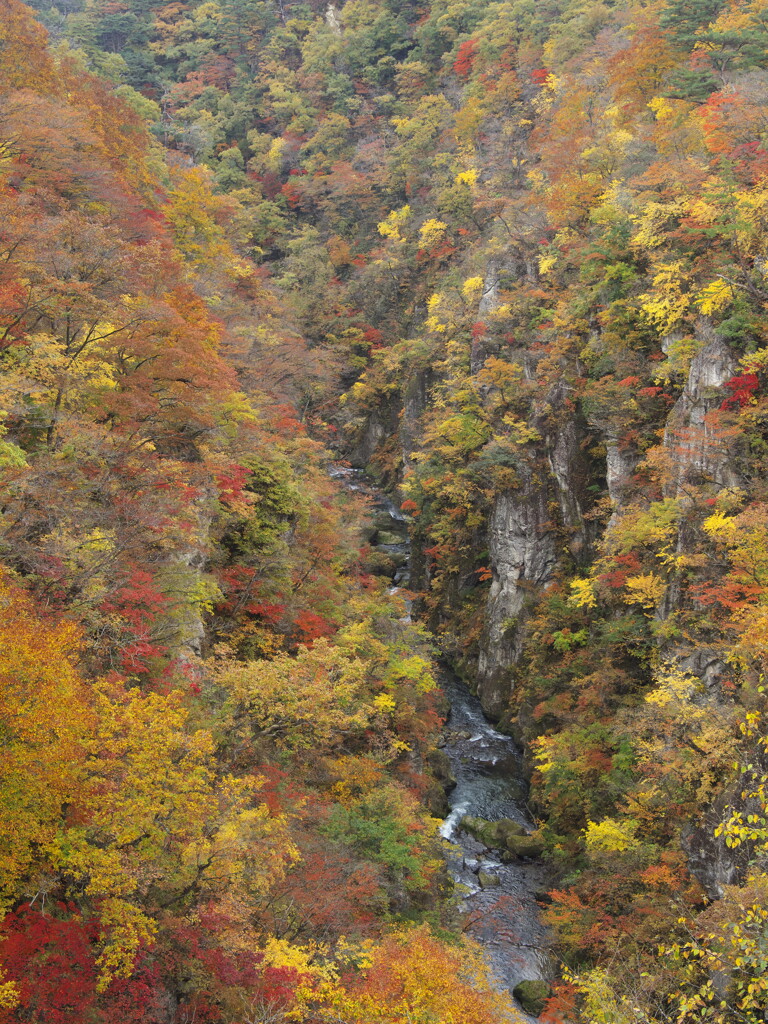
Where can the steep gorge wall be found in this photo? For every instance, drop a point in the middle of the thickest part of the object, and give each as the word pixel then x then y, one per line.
pixel 699 452
pixel 522 546
pixel 531 531
pixel 525 549
pixel 533 528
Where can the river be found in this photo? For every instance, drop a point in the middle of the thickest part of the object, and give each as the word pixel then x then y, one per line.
pixel 502 913
pixel 497 899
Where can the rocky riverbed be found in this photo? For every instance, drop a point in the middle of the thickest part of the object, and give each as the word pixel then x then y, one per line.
pixel 492 855
pixel 491 852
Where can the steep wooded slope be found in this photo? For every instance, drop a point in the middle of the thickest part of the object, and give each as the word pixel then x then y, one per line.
pixel 215 723
pixel 526 246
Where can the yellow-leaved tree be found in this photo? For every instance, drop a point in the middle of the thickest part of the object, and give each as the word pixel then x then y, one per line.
pixel 159 825
pixel 112 795
pixel 412 977
pixel 45 723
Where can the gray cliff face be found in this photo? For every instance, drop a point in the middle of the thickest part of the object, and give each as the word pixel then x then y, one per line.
pixel 619 467
pixel 488 302
pixel 373 436
pixel 700 455
pixel 524 544
pixel 529 529
pixel 711 862
pixel 332 19
pixel 564 456
pixel 526 538
pixel 415 400
pixel 570 472
pixel 497 272
pixel 380 427
pixel 523 552
pixel 523 540
pixel 702 458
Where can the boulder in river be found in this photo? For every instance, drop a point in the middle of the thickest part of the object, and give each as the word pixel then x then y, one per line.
pixel 491 833
pixel 532 995
pixel 386 521
pixel 484 831
pixel 488 879
pixel 388 538
pixel 505 835
pixel 377 563
pixel 506 829
pixel 522 846
pixel 367 530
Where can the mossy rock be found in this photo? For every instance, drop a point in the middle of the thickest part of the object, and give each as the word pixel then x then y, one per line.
pixel 367 530
pixel 523 846
pixel 508 829
pixel 503 835
pixel 384 521
pixel 487 879
pixel 440 764
pixel 388 538
pixel 532 995
pixel 484 831
pixel 437 801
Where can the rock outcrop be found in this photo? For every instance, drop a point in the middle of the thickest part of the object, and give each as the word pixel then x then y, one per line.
pixel 700 451
pixel 522 546
pixel 711 861
pixel 505 835
pixel 532 996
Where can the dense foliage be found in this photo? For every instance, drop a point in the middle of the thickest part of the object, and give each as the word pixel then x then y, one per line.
pixel 511 257
pixel 215 722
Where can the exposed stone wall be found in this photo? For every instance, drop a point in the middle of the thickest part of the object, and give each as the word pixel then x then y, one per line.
pixel 522 545
pixel 523 542
pixel 699 453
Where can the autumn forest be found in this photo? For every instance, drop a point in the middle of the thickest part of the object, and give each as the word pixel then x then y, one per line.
pixel 279 279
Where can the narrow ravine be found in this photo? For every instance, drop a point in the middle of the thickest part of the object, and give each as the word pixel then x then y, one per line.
pixel 500 902
pixel 496 891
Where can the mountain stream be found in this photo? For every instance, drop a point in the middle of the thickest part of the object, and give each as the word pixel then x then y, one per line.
pixel 496 897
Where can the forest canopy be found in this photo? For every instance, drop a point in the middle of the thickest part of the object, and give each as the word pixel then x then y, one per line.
pixel 510 259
